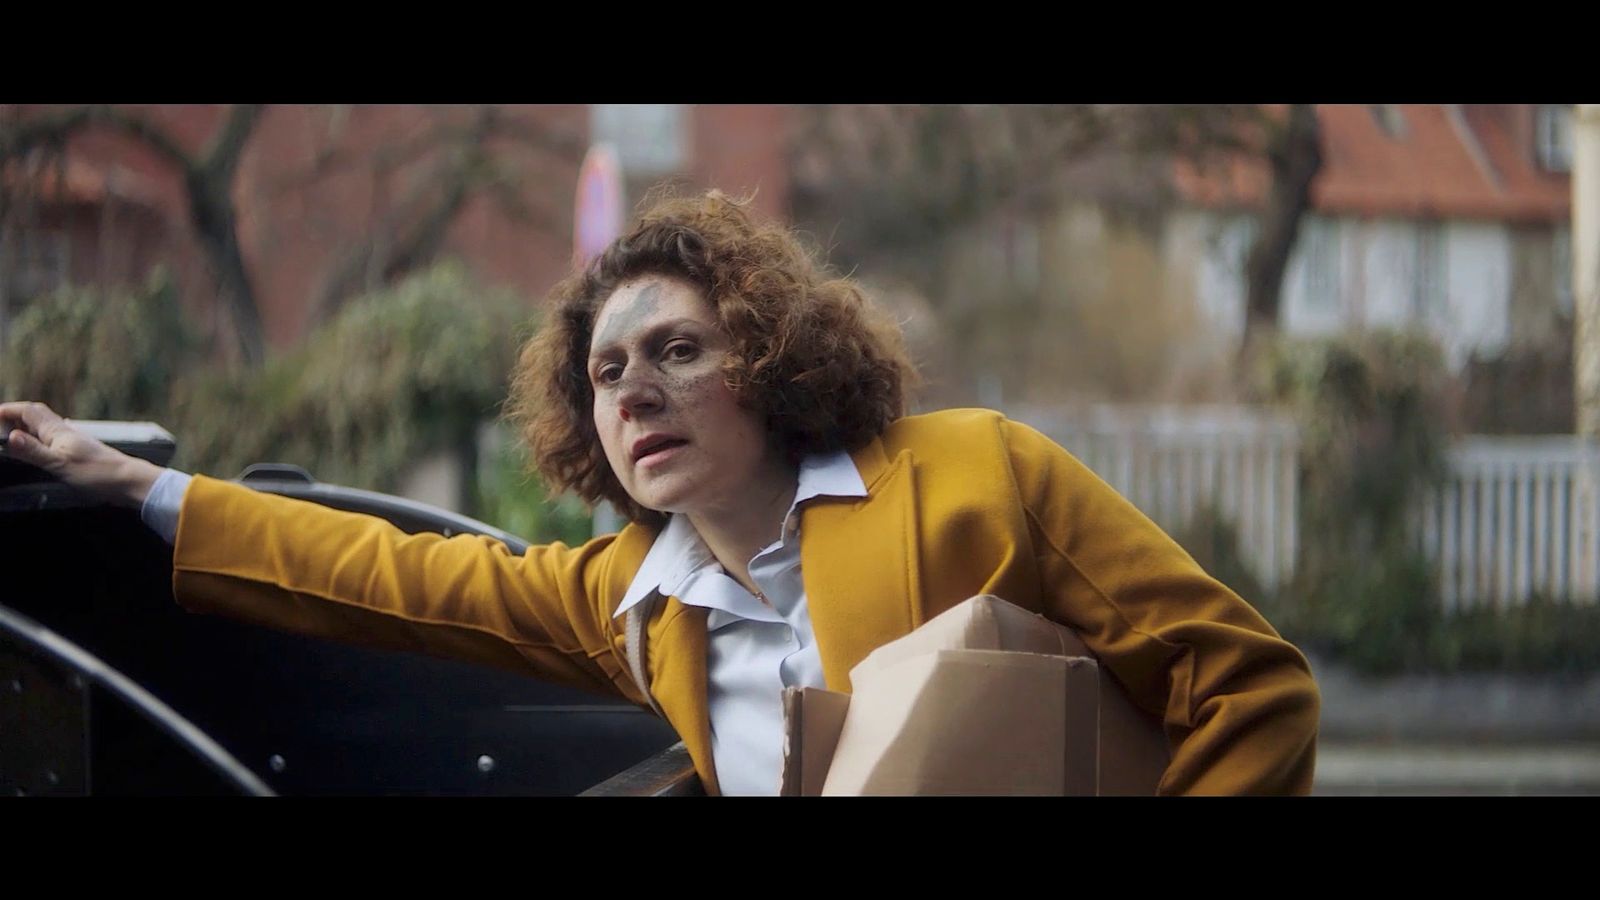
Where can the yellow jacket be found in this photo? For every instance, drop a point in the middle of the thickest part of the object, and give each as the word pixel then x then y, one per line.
pixel 959 503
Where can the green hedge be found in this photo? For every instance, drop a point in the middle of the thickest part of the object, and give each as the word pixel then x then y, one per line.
pixel 1374 426
pixel 400 374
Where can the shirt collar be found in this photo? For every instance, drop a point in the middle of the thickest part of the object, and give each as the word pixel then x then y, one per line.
pixel 828 475
pixel 678 550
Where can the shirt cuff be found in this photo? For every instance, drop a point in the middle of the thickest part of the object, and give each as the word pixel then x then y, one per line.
pixel 161 505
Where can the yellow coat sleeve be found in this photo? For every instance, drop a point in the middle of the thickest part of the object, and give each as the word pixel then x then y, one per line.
pixel 1239 704
pixel 302 567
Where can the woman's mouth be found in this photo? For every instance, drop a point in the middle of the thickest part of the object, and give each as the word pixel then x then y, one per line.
pixel 654 449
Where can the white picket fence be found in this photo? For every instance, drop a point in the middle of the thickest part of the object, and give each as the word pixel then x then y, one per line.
pixel 1171 461
pixel 1517 518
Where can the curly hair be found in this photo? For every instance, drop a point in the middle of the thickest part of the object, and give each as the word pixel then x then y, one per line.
pixel 825 369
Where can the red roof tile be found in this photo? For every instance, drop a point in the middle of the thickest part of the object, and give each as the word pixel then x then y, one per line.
pixel 1440 165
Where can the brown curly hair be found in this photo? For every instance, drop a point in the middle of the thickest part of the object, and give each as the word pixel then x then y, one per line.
pixel 826 369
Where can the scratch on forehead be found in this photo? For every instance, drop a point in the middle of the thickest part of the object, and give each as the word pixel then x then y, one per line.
pixel 627 317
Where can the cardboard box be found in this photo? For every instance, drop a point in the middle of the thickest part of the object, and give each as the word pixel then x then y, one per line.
pixel 986 698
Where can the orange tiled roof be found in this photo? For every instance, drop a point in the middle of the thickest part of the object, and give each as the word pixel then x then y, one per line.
pixel 1440 165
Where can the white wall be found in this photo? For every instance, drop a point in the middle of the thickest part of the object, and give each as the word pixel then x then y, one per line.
pixel 1368 277
pixel 1217 245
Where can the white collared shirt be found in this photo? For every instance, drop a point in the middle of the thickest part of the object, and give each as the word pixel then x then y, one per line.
pixel 753 651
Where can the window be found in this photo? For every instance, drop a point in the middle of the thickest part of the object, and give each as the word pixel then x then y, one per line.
pixel 1389 118
pixel 1321 237
pixel 650 138
pixel 1239 240
pixel 1428 299
pixel 1019 251
pixel 37 263
pixel 1552 126
pixel 1561 247
pixel 1229 240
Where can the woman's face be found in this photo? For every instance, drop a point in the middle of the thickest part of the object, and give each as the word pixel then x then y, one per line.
pixel 672 430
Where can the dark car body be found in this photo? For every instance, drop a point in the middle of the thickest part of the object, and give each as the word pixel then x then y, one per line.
pixel 90 585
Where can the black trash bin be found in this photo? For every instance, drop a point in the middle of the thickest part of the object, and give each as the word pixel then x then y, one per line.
pixel 302 715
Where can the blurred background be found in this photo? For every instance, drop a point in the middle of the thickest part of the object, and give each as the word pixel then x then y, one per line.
pixel 1345 354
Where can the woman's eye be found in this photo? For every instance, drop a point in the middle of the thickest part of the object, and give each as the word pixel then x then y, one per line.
pixel 682 351
pixel 608 373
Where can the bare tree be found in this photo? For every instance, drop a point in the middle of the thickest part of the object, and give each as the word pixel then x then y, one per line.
pixel 896 178
pixel 471 151
pixel 1294 152
pixel 208 177
pixel 412 233
pixel 951 162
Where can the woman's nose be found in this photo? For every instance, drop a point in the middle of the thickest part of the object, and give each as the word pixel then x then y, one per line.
pixel 638 395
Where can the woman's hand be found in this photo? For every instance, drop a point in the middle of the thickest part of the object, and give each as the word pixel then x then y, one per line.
pixel 40 437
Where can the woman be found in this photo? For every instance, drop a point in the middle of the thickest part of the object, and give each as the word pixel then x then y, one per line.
pixel 745 410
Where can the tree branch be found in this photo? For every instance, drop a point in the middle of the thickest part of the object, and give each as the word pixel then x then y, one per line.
pixel 21 137
pixel 145 130
pixel 1295 154
pixel 392 249
pixel 18 138
pixel 222 154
